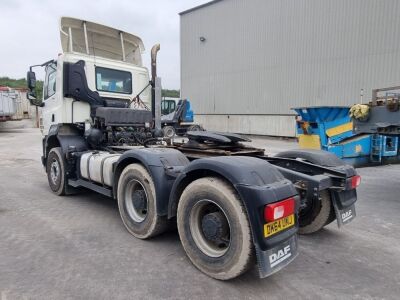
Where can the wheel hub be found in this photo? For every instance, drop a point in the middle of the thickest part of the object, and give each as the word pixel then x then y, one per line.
pixel 135 200
pixel 210 228
pixel 54 171
pixel 215 227
pixel 139 201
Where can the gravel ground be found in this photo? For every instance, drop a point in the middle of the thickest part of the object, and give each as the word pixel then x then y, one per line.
pixel 76 247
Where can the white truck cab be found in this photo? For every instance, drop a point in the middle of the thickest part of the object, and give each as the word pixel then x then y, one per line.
pixel 113 66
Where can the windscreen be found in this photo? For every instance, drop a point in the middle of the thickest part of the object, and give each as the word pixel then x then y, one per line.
pixel 113 81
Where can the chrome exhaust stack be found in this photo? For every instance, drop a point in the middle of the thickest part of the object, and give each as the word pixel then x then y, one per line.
pixel 156 88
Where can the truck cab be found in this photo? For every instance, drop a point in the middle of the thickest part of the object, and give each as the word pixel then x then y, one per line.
pixel 113 68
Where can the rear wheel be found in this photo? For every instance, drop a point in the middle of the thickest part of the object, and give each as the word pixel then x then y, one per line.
pixel 315 214
pixel 214 228
pixel 137 203
pixel 55 169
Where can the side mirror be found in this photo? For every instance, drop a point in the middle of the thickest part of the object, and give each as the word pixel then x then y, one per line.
pixel 31 95
pixel 31 80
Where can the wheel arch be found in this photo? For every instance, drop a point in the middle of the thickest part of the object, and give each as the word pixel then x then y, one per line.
pixel 161 165
pixel 314 156
pixel 49 143
pixel 237 171
pixel 64 136
pixel 184 180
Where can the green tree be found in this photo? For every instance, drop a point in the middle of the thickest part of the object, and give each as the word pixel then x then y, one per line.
pixel 171 93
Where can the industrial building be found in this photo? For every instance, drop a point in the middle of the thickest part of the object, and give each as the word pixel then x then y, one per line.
pixel 245 64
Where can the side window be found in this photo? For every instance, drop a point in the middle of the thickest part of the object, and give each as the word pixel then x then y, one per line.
pixel 163 107
pixel 49 88
pixel 173 106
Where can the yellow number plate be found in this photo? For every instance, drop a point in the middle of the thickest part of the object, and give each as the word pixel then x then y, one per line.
pixel 278 225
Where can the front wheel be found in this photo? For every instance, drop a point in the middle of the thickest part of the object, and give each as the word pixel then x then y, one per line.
pixel 55 169
pixel 137 203
pixel 214 228
pixel 169 131
pixel 316 213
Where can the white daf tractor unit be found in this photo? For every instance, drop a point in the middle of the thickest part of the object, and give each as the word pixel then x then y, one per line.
pixel 233 205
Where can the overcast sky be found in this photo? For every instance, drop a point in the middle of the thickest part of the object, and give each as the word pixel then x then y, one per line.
pixel 30 31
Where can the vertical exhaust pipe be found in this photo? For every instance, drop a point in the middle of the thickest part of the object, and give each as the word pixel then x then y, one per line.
pixel 154 51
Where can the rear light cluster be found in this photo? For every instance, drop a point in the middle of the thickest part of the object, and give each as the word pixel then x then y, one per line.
pixel 355 181
pixel 279 210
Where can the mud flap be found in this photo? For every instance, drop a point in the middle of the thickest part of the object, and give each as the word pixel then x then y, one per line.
pixel 272 260
pixel 345 215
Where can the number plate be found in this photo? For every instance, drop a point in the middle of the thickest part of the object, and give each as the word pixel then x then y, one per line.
pixel 278 225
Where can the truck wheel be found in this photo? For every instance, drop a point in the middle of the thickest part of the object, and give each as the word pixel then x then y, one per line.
pixel 55 169
pixel 214 229
pixel 137 203
pixel 316 214
pixel 169 131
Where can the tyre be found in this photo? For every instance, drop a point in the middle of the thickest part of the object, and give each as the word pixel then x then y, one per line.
pixel 214 229
pixel 137 203
pixel 316 214
pixel 332 216
pixel 55 169
pixel 169 131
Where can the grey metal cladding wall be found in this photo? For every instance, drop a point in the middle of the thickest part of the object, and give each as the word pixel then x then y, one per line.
pixel 266 56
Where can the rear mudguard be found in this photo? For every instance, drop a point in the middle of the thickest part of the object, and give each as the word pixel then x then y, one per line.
pixel 258 183
pixel 344 205
pixel 163 164
pixel 318 157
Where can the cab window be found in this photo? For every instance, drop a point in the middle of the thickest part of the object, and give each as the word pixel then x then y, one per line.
pixel 113 81
pixel 49 88
pixel 167 106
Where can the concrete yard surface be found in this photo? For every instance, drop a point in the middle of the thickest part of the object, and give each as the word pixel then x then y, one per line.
pixel 76 247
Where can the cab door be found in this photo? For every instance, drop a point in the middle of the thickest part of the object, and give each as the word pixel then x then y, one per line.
pixel 51 111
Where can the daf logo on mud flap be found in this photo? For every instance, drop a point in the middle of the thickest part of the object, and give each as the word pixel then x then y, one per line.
pixel 281 255
pixel 347 215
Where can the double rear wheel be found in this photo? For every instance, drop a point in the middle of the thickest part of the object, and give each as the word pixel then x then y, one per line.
pixel 212 222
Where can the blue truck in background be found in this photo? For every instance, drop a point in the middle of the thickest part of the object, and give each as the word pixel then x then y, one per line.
pixel 177 118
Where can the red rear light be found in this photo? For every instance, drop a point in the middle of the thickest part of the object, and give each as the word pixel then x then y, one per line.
pixel 278 210
pixel 355 181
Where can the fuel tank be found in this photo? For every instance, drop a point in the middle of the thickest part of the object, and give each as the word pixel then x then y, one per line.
pixel 97 166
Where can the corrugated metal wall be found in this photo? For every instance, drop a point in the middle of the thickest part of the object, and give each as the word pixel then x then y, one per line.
pixel 262 57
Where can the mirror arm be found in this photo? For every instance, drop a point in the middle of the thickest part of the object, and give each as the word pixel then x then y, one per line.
pixel 42 65
pixel 32 95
